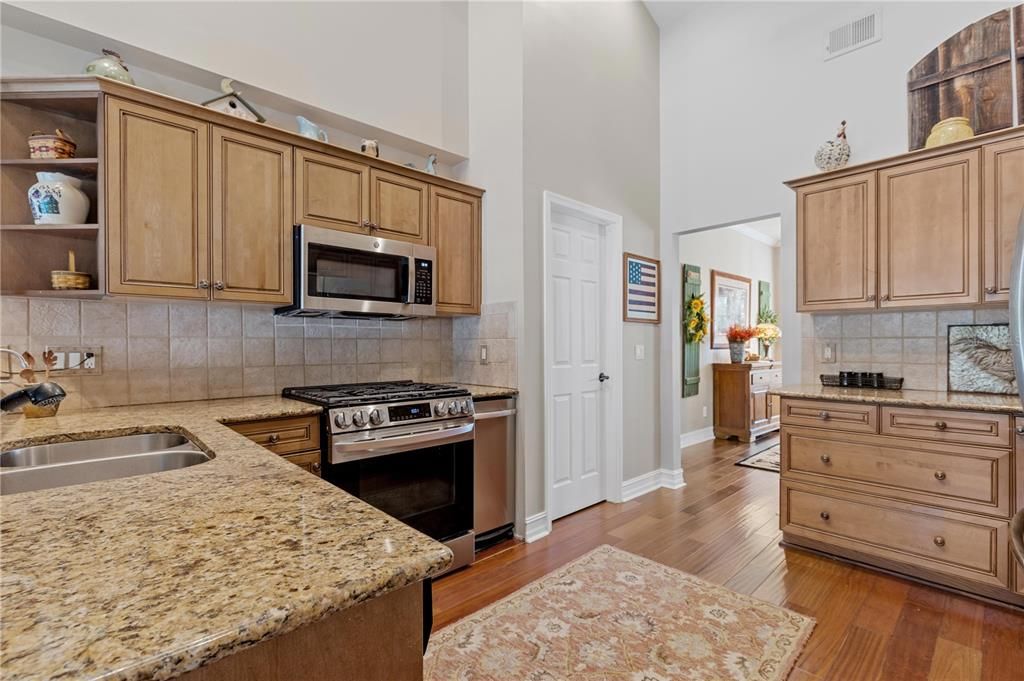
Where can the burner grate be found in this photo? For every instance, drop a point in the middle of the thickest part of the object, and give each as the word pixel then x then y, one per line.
pixel 350 394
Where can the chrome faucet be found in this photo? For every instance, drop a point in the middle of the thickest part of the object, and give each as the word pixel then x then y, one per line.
pixel 21 357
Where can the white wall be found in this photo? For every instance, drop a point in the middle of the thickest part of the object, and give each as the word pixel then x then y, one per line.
pixel 725 250
pixel 399 66
pixel 736 126
pixel 591 133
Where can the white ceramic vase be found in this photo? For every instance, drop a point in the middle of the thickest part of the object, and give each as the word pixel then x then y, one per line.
pixel 58 199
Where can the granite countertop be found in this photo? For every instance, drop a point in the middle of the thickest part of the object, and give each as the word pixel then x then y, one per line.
pixel 486 391
pixel 1004 404
pixel 151 576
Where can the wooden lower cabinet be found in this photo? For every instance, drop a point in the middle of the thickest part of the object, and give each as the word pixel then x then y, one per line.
pixel 903 495
pixel 307 461
pixel 455 233
pixel 295 438
pixel 251 208
pixel 744 407
pixel 157 202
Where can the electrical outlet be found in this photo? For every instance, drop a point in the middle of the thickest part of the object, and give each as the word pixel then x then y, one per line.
pixel 639 352
pixel 704 411
pixel 76 361
pixel 483 355
pixel 828 353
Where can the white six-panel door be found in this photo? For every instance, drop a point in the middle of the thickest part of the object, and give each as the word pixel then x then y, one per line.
pixel 574 403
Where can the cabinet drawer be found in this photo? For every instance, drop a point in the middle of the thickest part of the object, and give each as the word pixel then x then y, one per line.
pixel 848 416
pixel 956 544
pixel 309 461
pixel 284 436
pixel 941 425
pixel 972 479
pixel 769 378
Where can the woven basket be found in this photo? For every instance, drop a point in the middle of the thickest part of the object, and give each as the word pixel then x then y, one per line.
pixel 63 279
pixel 51 145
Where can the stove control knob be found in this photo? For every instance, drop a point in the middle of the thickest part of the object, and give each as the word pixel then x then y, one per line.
pixel 440 409
pixel 359 418
pixel 466 407
pixel 375 417
pixel 341 420
pixel 453 408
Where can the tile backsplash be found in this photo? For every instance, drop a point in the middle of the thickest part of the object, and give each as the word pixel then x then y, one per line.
pixel 907 344
pixel 175 351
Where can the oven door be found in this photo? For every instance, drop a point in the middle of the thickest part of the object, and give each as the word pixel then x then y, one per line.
pixel 428 486
pixel 362 275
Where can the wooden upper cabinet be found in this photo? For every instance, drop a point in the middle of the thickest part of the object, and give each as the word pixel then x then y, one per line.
pixel 1002 205
pixel 836 244
pixel 331 192
pixel 251 208
pixel 398 206
pixel 157 208
pixel 455 233
pixel 929 232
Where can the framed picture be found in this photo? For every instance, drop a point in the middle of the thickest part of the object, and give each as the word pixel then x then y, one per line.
pixel 980 359
pixel 730 304
pixel 641 289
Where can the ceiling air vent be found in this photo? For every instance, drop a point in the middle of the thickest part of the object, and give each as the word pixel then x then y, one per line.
pixel 853 35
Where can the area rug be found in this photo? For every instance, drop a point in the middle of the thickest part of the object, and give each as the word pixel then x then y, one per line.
pixel 769 459
pixel 614 616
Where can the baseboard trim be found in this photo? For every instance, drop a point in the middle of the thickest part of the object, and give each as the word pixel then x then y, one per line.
pixel 695 437
pixel 648 482
pixel 537 527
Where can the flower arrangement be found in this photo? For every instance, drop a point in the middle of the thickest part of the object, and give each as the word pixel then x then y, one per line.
pixel 768 331
pixel 697 319
pixel 738 333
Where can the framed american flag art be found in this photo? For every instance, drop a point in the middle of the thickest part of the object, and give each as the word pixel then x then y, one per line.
pixel 641 290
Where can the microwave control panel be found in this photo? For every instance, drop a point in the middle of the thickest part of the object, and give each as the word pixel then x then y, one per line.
pixel 424 282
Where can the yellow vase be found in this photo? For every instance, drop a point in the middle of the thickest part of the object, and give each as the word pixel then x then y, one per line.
pixel 948 131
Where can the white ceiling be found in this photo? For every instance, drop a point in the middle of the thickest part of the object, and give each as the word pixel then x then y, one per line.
pixel 768 231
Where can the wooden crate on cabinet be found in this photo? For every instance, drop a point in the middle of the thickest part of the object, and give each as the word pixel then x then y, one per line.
pixel 1002 203
pixel 331 192
pixel 836 235
pixel 455 233
pixel 157 197
pixel 251 206
pixel 929 232
pixel 742 403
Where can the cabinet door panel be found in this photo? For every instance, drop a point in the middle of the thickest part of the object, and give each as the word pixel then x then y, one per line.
pixel 252 211
pixel 1003 202
pixel 836 244
pixel 331 192
pixel 398 206
pixel 929 232
pixel 760 410
pixel 455 233
pixel 157 202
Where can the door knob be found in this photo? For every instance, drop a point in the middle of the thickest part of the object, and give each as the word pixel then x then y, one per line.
pixel 603 377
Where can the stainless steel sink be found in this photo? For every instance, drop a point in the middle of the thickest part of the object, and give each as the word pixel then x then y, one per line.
pixel 73 463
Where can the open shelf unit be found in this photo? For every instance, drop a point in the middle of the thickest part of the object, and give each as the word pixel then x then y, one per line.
pixel 30 252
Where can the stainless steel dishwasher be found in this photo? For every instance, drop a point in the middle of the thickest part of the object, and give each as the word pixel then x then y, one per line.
pixel 494 470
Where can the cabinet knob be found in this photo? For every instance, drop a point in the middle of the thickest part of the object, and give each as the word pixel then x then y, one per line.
pixel 941 425
pixel 885 296
pixel 824 415
pixel 219 285
pixel 1020 430
pixel 274 438
pixel 204 284
pixel 939 541
pixel 826 459
pixel 940 475
pixel 991 289
pixel 824 515
pixel 871 296
pixel 316 467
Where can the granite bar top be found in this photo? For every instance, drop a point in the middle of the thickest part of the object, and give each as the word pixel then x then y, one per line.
pixel 1003 404
pixel 151 576
pixel 488 391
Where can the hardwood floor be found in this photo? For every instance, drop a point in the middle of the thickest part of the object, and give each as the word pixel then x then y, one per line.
pixel 723 527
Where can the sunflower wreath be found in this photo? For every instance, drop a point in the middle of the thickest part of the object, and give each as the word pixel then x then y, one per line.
pixel 697 320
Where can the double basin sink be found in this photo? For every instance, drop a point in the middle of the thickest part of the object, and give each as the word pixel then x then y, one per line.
pixel 60 464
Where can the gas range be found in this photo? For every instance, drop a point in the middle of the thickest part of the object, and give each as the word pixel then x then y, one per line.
pixel 355 407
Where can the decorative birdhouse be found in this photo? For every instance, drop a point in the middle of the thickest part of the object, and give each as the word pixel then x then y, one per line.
pixel 231 103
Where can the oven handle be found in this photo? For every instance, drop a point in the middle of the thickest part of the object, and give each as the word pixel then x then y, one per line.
pixel 342 452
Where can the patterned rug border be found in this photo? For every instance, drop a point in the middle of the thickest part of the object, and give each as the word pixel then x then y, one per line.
pixel 748 457
pixel 806 629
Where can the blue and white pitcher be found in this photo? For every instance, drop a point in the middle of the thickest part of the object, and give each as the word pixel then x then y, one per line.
pixel 308 128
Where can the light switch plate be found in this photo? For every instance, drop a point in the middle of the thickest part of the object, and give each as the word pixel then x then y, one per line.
pixel 77 361
pixel 639 351
pixel 828 353
pixel 483 355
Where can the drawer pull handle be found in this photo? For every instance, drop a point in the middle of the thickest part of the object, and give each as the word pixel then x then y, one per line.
pixel 826 459
pixel 940 475
pixel 939 541
pixel 824 415
pixel 1020 430
pixel 941 425
pixel 824 515
pixel 274 438
pixel 316 467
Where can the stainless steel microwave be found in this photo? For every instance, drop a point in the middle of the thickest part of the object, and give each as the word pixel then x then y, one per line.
pixel 339 274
